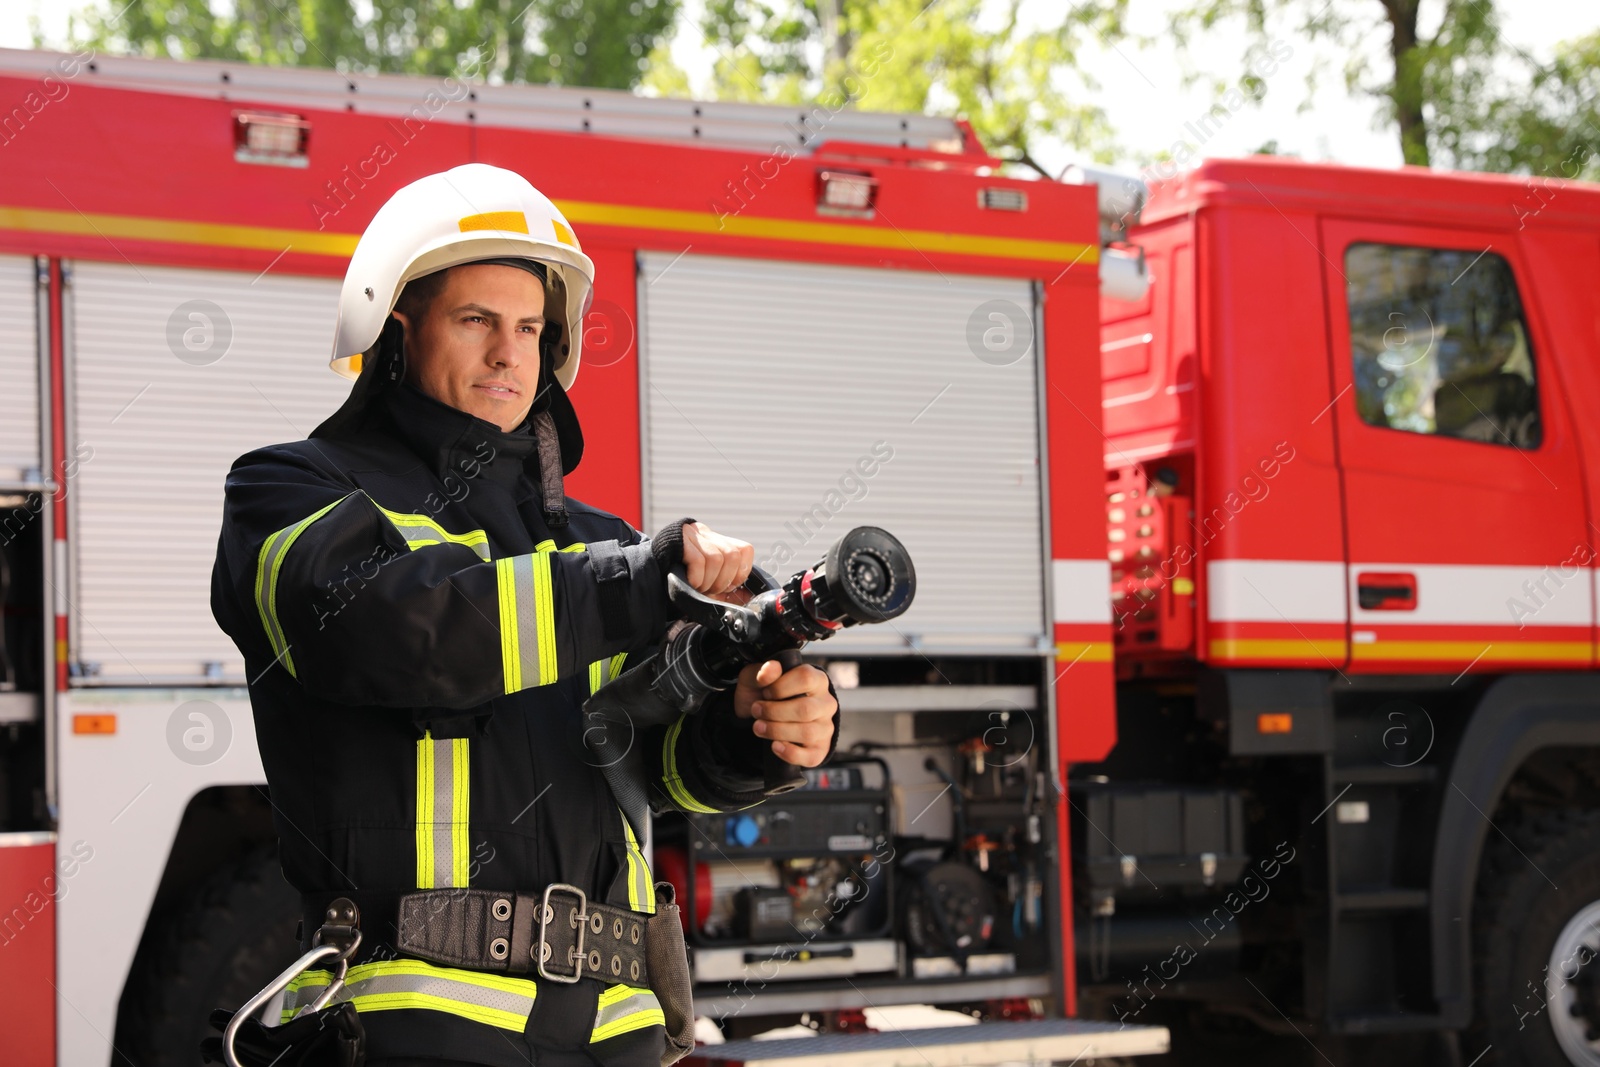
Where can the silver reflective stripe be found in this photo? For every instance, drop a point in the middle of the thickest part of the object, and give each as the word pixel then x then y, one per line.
pixel 443 813
pixel 527 620
pixel 395 984
pixel 624 1009
pixel 525 593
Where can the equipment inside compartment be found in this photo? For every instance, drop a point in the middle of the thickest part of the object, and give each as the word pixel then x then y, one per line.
pixel 918 859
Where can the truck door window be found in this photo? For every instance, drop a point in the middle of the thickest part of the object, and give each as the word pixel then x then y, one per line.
pixel 1440 344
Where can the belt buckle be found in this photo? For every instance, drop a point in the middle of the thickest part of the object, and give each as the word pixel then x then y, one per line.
pixel 575 955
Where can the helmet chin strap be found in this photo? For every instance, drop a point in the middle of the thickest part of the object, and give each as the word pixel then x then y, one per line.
pixel 392 349
pixel 553 495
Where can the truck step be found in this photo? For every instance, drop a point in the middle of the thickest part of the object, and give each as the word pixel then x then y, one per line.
pixel 979 1045
pixel 1419 774
pixel 1381 900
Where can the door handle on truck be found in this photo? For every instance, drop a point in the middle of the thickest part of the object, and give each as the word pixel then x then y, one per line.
pixel 1386 591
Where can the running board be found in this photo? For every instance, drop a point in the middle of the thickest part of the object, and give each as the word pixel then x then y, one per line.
pixel 979 1045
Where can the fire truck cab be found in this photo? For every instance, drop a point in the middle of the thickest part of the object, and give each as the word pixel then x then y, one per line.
pixel 1351 515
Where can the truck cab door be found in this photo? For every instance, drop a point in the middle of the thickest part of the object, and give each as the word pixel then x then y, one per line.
pixel 1464 521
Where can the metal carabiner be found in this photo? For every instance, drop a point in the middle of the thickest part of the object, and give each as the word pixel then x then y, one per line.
pixel 317 954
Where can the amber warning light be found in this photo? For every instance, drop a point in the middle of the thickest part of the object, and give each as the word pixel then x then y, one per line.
pixel 1275 723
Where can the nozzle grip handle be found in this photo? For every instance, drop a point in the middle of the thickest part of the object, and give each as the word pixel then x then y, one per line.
pixel 782 777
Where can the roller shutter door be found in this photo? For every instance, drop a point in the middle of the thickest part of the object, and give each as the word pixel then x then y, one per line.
pixel 770 388
pixel 177 373
pixel 19 370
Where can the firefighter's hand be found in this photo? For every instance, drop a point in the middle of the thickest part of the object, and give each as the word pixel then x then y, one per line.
pixel 714 564
pixel 792 709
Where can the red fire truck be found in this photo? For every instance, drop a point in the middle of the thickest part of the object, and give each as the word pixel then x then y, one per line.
pixel 1251 666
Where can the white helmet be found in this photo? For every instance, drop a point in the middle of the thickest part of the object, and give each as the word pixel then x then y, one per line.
pixel 465 214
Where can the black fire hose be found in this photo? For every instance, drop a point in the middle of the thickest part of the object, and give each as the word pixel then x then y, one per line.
pixel 864 577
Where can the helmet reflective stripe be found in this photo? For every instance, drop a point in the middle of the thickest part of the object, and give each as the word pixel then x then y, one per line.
pixel 462 215
pixel 495 220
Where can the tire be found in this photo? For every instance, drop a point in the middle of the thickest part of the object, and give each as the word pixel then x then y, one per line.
pixel 1538 904
pixel 233 937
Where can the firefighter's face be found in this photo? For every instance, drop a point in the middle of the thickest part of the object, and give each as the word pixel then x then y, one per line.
pixel 476 347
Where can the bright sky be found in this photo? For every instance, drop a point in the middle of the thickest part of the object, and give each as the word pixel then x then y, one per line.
pixel 1141 88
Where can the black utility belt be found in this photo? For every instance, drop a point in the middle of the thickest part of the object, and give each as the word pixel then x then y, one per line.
pixel 558 933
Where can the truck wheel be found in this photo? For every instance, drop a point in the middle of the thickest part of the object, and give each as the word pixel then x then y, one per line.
pixel 1537 940
pixel 233 937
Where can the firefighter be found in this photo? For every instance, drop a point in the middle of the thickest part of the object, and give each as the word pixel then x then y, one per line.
pixel 423 611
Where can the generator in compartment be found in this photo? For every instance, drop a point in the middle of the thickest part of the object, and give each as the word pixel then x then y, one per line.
pixel 915 855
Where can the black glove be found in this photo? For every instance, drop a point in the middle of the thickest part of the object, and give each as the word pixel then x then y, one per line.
pixel 332 1037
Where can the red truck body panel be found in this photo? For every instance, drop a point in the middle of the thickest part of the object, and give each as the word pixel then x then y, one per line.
pixel 29 885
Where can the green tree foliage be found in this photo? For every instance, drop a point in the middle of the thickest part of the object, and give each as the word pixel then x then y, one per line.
pixel 602 43
pixel 1552 128
pixel 1458 95
pixel 1016 84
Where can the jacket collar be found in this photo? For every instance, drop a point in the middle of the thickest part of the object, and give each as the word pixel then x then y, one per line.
pixel 453 442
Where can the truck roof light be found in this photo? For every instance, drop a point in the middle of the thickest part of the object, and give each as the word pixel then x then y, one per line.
pixel 842 192
pixel 270 137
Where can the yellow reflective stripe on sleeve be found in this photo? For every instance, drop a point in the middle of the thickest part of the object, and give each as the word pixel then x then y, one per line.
pixel 510 653
pixel 602 671
pixel 623 1009
pixel 421 531
pixel 671 778
pixel 462 806
pixel 641 891
pixel 527 621
pixel 443 810
pixel 268 564
pixel 546 614
pixel 386 985
pixel 548 545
